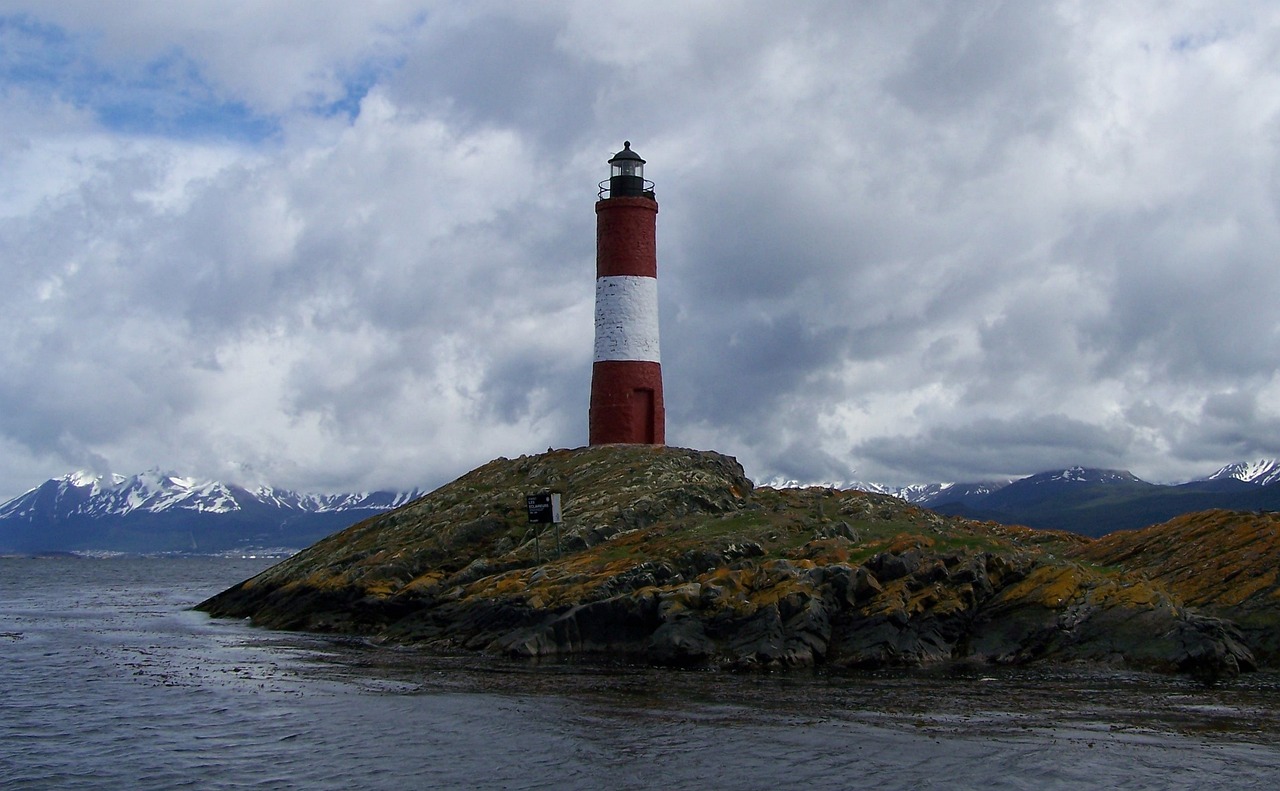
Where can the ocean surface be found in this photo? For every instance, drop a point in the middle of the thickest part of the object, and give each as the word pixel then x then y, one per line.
pixel 108 680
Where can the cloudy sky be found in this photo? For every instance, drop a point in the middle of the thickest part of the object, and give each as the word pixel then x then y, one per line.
pixel 334 245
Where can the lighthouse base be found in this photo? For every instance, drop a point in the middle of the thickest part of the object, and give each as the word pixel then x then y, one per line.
pixel 626 403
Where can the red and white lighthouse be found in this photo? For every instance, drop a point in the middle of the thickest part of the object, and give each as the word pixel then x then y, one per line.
pixel 626 377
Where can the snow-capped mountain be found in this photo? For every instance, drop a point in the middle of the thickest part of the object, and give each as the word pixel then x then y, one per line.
pixel 1095 502
pixel 795 483
pixel 1081 475
pixel 85 494
pixel 933 494
pixel 917 493
pixel 1263 472
pixel 1092 501
pixel 86 511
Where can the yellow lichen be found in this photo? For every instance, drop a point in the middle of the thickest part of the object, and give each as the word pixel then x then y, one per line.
pixel 1047 586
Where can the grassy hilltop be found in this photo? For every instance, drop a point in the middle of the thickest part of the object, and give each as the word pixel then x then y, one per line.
pixel 672 556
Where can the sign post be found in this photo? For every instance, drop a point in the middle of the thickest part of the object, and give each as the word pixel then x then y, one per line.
pixel 544 509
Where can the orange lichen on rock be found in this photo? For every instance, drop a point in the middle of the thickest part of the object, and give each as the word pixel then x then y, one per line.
pixel 1220 559
pixel 1047 586
pixel 907 541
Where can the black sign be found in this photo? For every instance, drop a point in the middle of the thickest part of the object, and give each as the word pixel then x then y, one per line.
pixel 544 509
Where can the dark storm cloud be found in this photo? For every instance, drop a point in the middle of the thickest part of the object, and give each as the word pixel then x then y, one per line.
pixel 1229 425
pixel 506 72
pixel 996 448
pixel 1190 290
pixel 997 59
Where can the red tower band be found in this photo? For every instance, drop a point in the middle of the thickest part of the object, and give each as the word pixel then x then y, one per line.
pixel 626 377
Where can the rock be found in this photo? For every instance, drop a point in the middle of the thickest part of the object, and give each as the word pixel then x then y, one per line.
pixel 1221 563
pixel 673 557
pixel 888 566
pixel 849 587
pixel 621 625
pixel 680 643
pixel 1211 648
pixel 837 530
pixel 758 640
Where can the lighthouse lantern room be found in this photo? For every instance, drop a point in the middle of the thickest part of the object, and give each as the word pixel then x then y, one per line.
pixel 626 173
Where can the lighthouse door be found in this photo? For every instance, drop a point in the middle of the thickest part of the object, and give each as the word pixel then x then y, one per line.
pixel 642 427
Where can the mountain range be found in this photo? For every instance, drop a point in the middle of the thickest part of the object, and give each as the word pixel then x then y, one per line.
pixel 165 512
pixel 1095 502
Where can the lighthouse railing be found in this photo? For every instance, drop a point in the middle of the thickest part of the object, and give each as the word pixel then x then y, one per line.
pixel 604 189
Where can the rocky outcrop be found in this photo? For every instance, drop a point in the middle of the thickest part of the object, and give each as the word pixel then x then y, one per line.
pixel 671 556
pixel 1221 563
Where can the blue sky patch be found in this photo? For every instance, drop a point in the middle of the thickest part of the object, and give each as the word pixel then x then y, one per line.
pixel 167 96
pixel 357 85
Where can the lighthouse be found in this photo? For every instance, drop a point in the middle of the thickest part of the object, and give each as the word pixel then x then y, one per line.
pixel 626 376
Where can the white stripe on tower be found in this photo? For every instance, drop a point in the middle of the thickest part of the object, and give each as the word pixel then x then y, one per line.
pixel 627 318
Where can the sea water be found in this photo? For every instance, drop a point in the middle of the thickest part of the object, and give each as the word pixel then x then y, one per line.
pixel 108 680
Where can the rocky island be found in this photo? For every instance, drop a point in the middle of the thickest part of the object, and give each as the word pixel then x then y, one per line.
pixel 673 557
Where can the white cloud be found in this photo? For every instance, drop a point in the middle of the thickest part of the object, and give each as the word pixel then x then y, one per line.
pixel 351 246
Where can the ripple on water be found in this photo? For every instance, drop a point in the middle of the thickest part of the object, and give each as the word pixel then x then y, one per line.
pixel 113 683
